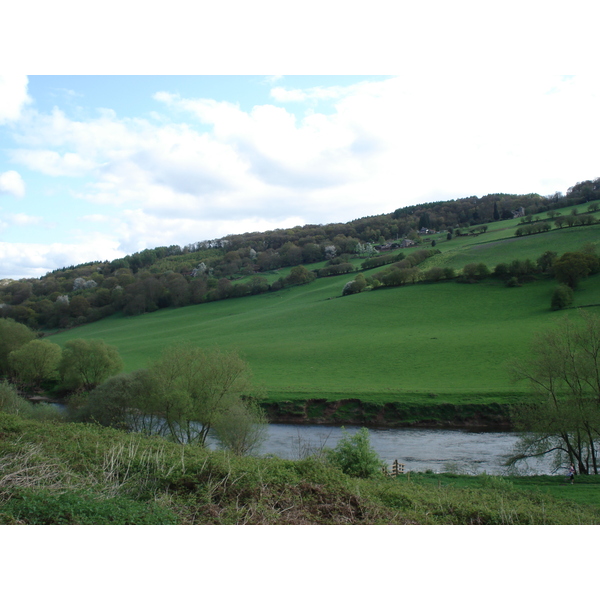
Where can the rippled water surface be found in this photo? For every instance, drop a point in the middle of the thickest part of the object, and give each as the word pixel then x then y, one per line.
pixel 419 449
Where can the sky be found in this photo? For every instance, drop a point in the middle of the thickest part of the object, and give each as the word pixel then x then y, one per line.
pixel 97 166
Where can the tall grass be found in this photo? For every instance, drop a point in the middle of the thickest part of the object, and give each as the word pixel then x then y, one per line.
pixel 61 474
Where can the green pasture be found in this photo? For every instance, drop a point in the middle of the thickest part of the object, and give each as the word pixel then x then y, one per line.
pixel 585 491
pixel 493 251
pixel 500 244
pixel 444 342
pixel 425 343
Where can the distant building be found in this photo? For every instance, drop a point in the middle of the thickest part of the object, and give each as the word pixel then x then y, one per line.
pixel 520 212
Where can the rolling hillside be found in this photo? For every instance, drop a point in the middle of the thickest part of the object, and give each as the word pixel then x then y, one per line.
pixel 435 341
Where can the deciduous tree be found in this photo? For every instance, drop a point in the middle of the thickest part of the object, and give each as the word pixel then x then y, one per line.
pixel 194 389
pixel 35 361
pixel 87 363
pixel 13 335
pixel 571 267
pixel 242 428
pixel 561 297
pixel 563 369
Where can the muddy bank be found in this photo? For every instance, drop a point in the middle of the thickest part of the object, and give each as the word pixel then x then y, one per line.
pixel 356 412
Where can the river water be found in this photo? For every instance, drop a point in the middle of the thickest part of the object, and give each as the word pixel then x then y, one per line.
pixel 439 450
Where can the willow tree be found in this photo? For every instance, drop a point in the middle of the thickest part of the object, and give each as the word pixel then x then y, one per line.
pixel 563 370
pixel 196 391
pixel 85 364
pixel 35 361
pixel 13 335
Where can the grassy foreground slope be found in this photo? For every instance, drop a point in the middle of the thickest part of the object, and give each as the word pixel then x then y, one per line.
pixel 83 474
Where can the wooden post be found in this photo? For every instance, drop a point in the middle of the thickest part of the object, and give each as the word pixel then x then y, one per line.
pixel 397 468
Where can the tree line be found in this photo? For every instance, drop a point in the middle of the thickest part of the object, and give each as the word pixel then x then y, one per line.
pixel 567 269
pixel 573 220
pixel 235 265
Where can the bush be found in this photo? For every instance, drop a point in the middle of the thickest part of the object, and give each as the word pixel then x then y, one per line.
pixel 299 275
pixel 10 401
pixel 379 261
pixel 473 272
pixel 356 286
pixel 355 456
pixel 561 297
pixel 243 428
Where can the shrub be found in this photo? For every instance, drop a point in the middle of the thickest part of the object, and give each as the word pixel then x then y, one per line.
pixel 355 456
pixel 356 286
pixel 396 277
pixel 434 274
pixel 299 275
pixel 243 428
pixel 10 401
pixel 379 261
pixel 561 297
pixel 474 272
pixel 502 271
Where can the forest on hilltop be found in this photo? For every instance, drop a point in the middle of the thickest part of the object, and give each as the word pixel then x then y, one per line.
pixel 236 265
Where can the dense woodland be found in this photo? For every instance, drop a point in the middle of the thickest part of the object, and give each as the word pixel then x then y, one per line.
pixel 236 265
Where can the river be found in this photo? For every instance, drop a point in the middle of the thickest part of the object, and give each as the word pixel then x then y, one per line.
pixel 438 450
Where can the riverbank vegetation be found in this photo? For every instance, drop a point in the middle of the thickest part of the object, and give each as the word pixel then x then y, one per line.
pixel 54 473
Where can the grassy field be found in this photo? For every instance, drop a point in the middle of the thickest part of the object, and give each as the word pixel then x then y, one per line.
pixel 446 339
pixel 585 492
pixel 442 342
pixel 492 249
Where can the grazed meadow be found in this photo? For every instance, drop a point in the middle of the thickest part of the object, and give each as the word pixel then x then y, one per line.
pixel 437 341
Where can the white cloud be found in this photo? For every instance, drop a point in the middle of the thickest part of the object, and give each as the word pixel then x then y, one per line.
pixel 22 219
pixel 13 97
pixel 12 183
pixel 139 230
pixel 271 79
pixel 52 163
pixel 377 146
pixel 96 218
pixel 281 94
pixel 35 260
